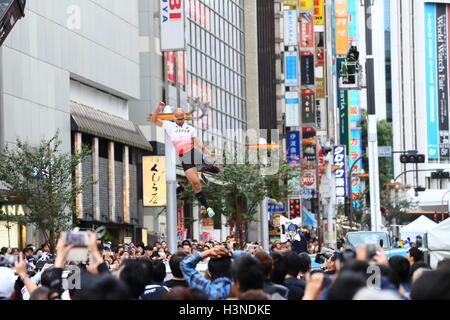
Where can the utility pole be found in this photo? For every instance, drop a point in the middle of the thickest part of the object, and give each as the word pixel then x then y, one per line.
pixel 369 5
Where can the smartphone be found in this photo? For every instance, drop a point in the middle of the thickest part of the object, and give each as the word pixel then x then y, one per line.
pixel 371 251
pixel 77 239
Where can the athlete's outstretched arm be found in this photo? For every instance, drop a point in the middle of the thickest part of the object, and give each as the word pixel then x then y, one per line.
pixel 154 118
pixel 203 148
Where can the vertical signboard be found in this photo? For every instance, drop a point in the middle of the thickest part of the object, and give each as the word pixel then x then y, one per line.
pixel 318 12
pixel 306 30
pixel 290 28
pixel 154 181
pixel 181 68
pixel 290 69
pixel 293 146
pixel 431 89
pixel 341 179
pixel 355 153
pixel 307 68
pixel 292 112
pixel 341 28
pixel 320 66
pixel 442 76
pixel 170 66
pixel 353 95
pixel 172 18
pixel 308 107
pixel 342 99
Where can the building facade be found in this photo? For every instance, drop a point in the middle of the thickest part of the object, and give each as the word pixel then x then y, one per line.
pixel 420 91
pixel 73 66
pixel 211 71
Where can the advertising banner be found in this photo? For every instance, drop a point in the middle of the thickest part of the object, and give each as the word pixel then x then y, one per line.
pixel 170 66
pixel 308 107
pixel 342 99
pixel 306 30
pixel 290 28
pixel 292 109
pixel 341 177
pixel 341 26
pixel 172 18
pixel 290 64
pixel 318 12
pixel 293 146
pixel 442 82
pixel 154 181
pixel 307 70
pixel 355 153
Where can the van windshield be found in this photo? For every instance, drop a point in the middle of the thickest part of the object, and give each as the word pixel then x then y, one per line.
pixel 357 238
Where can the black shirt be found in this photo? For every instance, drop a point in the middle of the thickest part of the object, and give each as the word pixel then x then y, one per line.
pixel 154 292
pixel 271 288
pixel 176 283
pixel 300 246
pixel 296 288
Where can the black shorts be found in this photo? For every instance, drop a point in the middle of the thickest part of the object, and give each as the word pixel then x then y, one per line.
pixel 191 159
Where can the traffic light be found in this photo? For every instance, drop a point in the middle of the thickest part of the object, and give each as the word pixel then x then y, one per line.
pixel 440 174
pixel 10 12
pixel 412 158
pixel 294 208
pixel 419 189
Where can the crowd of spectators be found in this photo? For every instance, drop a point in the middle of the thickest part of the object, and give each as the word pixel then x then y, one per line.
pixel 140 272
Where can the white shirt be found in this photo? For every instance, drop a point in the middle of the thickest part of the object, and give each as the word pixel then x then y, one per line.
pixel 181 136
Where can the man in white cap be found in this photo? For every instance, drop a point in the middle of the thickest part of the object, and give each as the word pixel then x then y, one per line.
pixel 7 281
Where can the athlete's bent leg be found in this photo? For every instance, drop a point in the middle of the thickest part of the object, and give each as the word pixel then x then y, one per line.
pixel 192 176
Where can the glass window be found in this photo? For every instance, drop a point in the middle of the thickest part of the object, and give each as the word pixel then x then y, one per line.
pixel 199 63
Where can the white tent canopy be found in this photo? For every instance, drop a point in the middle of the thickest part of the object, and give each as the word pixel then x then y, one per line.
pixel 417 228
pixel 438 242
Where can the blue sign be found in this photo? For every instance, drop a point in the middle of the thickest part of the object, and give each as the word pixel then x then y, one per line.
pixel 274 208
pixel 293 146
pixel 431 76
pixel 290 69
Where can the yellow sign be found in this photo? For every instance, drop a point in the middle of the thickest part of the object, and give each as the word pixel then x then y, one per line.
pixel 12 210
pixel 318 12
pixel 341 22
pixel 154 181
pixel 290 2
pixel 306 4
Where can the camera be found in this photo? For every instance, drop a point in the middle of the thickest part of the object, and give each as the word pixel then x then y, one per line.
pixel 371 251
pixel 322 257
pixel 77 239
pixel 9 261
pixel 347 255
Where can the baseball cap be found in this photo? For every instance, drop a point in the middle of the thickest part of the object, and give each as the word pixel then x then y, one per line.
pixel 7 281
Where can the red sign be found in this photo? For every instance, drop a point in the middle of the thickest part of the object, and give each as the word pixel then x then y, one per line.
pixel 180 65
pixel 308 179
pixel 306 30
pixel 170 66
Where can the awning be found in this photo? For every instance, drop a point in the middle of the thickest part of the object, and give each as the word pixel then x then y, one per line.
pixel 104 125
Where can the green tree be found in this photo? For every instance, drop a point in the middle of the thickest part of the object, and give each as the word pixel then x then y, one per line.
pixel 43 178
pixel 241 187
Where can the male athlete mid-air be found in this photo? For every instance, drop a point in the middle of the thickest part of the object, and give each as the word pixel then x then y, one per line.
pixel 183 137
